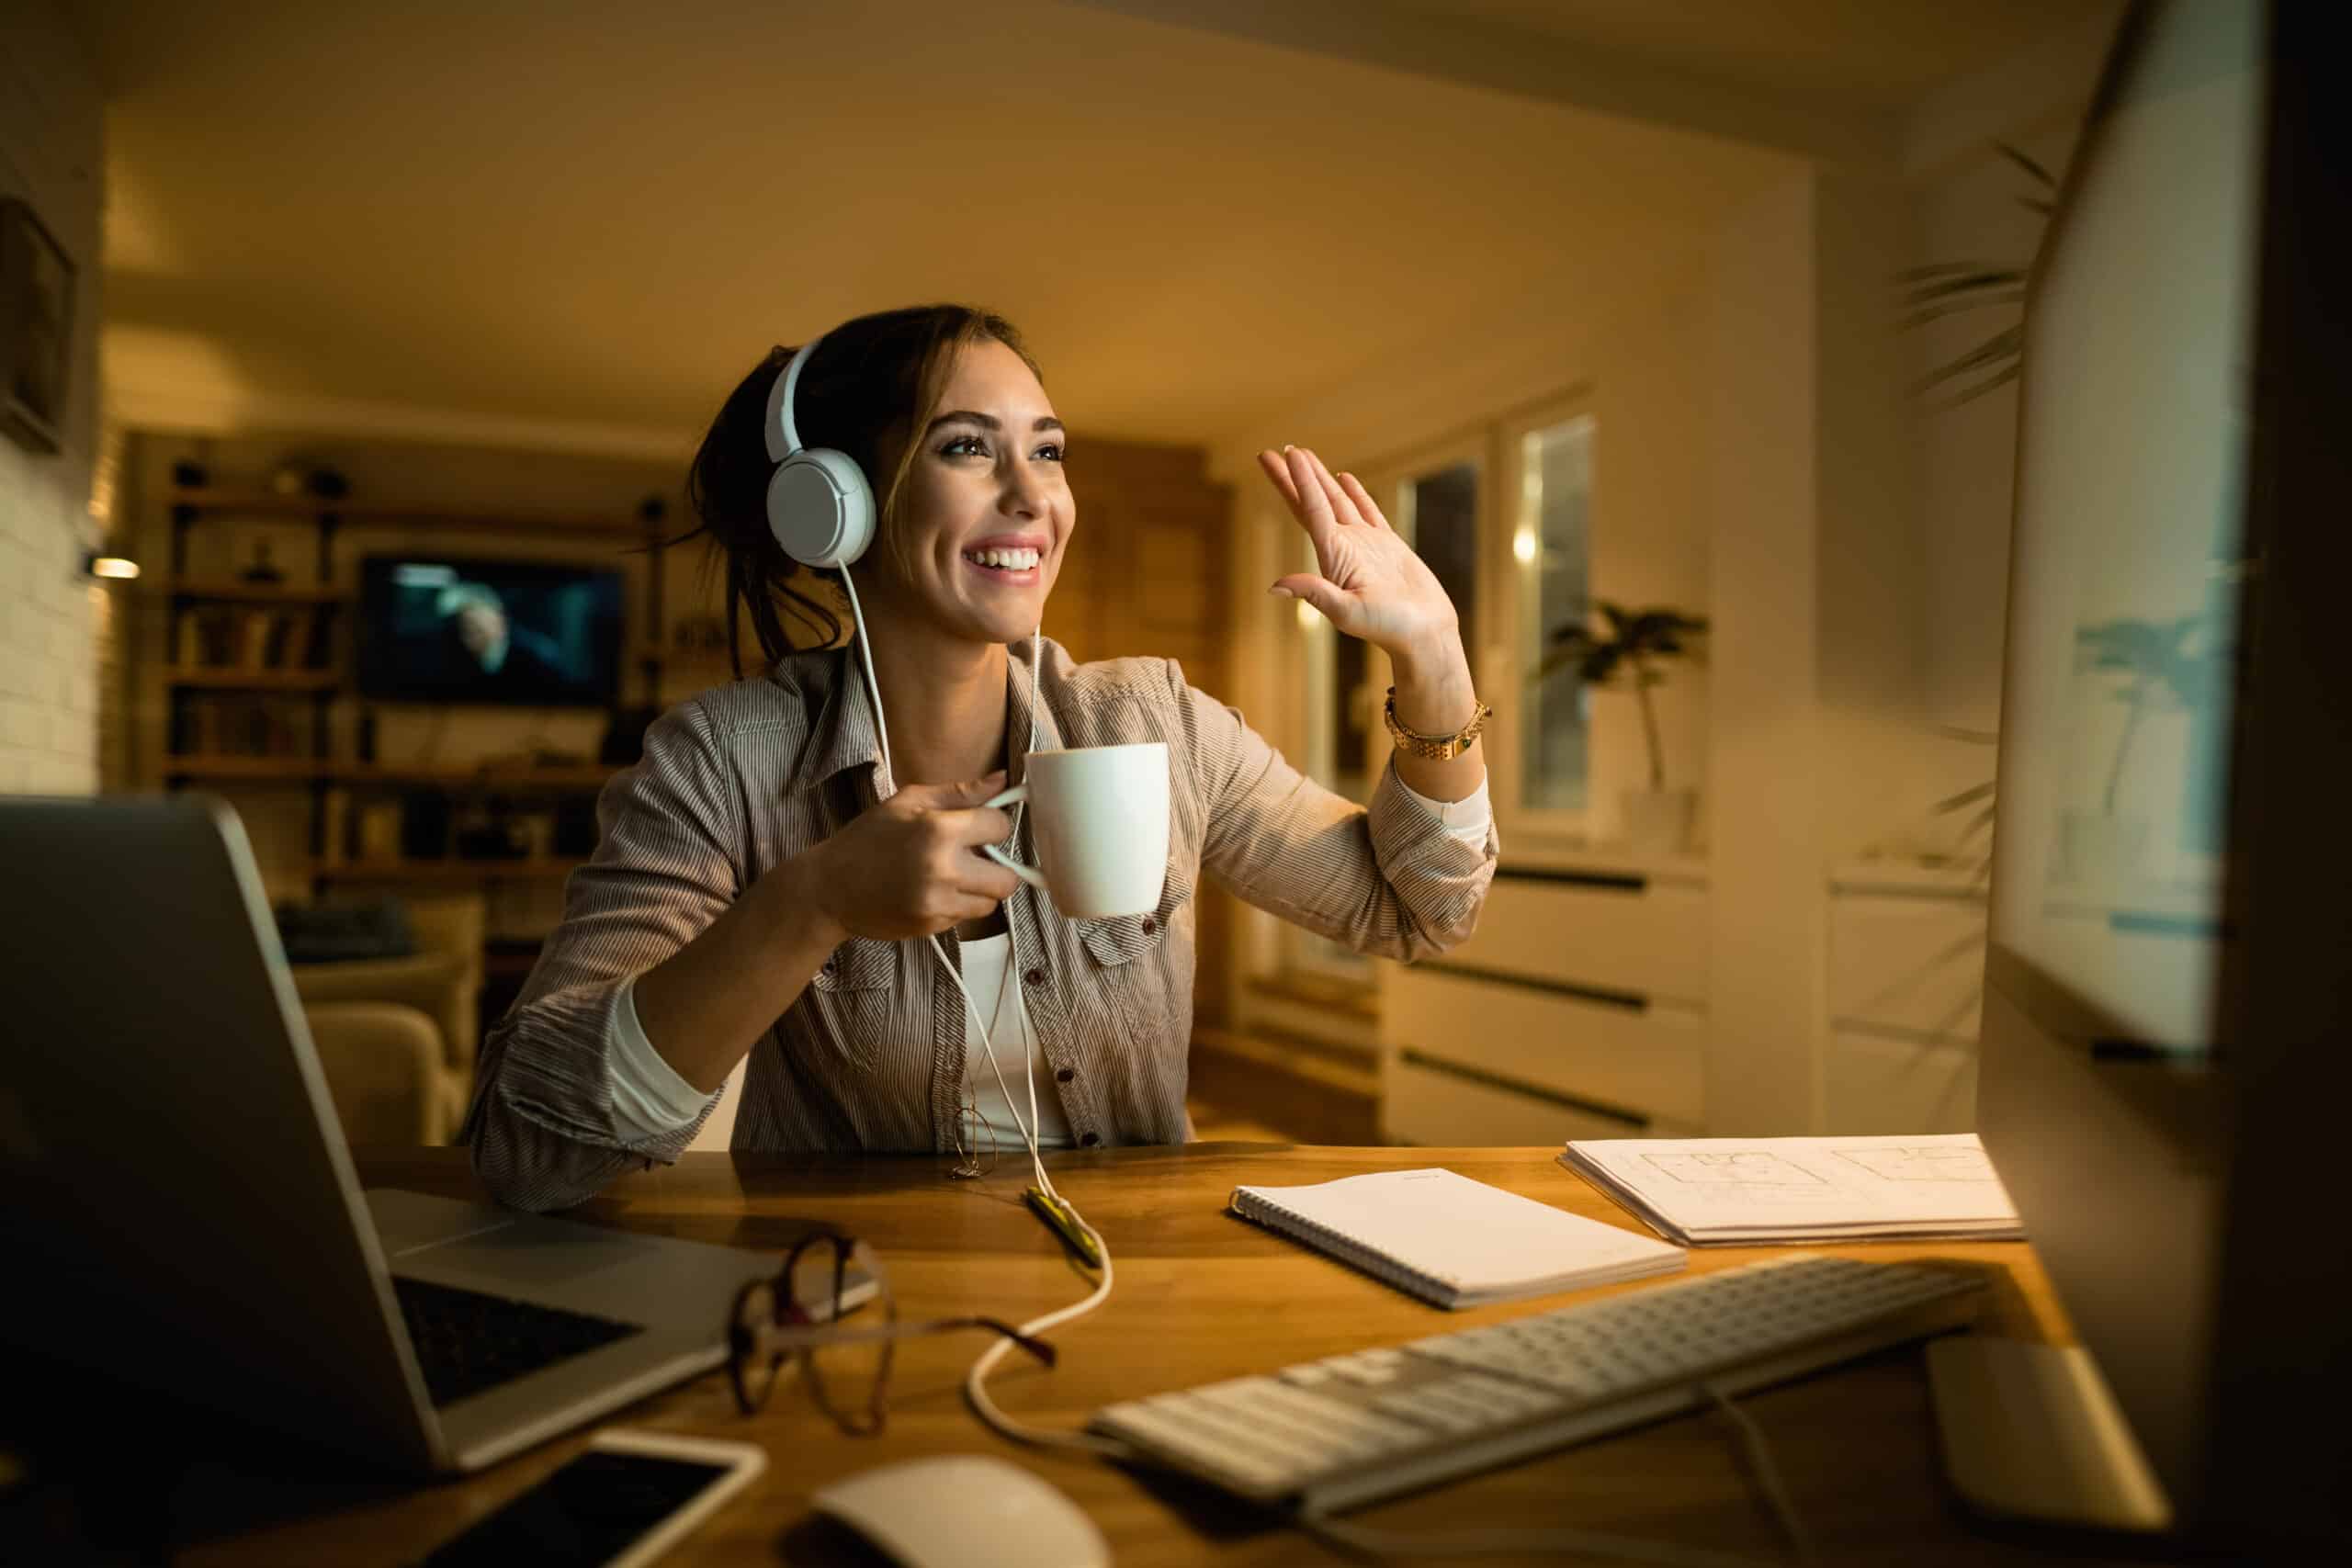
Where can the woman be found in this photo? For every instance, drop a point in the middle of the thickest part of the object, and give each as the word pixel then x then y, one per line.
pixel 762 883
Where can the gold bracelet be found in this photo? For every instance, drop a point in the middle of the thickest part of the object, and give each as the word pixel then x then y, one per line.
pixel 1437 747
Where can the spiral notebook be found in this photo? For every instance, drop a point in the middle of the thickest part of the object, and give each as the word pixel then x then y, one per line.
pixel 1452 1241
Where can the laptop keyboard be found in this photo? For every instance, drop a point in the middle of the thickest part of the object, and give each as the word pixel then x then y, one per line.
pixel 467 1341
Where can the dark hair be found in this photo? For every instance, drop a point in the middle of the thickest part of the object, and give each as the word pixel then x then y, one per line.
pixel 865 391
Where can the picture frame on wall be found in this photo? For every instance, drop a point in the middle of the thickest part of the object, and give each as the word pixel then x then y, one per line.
pixel 36 328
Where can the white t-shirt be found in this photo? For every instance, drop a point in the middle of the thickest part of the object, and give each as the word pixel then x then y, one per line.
pixel 995 987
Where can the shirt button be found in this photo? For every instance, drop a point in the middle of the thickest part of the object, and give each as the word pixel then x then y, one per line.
pixel 1088 1141
pixel 1033 975
pixel 1064 1075
pixel 1149 925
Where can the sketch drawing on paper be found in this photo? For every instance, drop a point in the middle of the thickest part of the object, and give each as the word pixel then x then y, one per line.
pixel 1738 1167
pixel 1931 1164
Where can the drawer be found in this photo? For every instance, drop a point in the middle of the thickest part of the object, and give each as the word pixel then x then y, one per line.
pixel 1649 940
pixel 1873 1084
pixel 1650 1061
pixel 1907 965
pixel 1444 1109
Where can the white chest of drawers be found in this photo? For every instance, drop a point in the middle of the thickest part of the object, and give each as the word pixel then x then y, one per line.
pixel 1578 1009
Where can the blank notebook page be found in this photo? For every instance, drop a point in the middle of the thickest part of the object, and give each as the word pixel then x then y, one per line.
pixel 1441 1234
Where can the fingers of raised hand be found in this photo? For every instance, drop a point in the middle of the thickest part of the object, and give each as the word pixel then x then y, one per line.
pixel 1277 469
pixel 1319 492
pixel 1314 503
pixel 1367 508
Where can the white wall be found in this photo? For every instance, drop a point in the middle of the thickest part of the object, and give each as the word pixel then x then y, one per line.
pixel 51 616
pixel 1765 734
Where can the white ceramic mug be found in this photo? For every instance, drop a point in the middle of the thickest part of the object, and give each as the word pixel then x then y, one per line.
pixel 1099 815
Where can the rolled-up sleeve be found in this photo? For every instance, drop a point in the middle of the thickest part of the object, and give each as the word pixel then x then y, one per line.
pixel 543 1128
pixel 1386 879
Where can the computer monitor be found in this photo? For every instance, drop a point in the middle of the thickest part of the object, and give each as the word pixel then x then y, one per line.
pixel 2166 1071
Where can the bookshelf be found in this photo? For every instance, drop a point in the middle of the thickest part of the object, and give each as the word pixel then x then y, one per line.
pixel 254 667
pixel 528 868
pixel 235 678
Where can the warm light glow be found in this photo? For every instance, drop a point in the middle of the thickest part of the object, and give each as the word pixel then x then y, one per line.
pixel 1522 545
pixel 1306 615
pixel 113 566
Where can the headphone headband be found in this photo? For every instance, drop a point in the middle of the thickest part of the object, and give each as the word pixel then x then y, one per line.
pixel 783 435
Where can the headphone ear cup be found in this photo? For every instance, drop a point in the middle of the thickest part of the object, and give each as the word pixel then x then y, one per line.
pixel 819 507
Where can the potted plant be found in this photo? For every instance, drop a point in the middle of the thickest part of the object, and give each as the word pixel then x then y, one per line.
pixel 1628 653
pixel 2168 666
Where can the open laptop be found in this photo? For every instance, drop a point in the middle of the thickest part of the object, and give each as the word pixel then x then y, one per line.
pixel 178 1206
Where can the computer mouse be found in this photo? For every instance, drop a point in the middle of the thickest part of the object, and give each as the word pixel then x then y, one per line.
pixel 965 1511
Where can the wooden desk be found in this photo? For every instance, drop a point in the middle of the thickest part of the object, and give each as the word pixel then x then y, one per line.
pixel 1201 1295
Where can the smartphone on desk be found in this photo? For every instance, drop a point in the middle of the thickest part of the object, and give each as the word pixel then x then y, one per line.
pixel 620 1502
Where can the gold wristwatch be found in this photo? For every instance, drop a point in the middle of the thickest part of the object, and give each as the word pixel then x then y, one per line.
pixel 1437 747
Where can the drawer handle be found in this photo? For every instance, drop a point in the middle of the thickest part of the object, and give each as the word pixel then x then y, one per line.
pixel 1608 881
pixel 1412 1057
pixel 1631 1001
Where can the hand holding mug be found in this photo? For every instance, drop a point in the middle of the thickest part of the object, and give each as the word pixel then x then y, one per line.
pixel 905 868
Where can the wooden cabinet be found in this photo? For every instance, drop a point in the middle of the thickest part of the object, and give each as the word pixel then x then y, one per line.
pixel 1578 1009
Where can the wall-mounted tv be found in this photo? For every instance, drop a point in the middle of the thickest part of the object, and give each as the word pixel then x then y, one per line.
pixel 435 629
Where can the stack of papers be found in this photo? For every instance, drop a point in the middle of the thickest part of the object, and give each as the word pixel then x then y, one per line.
pixel 1724 1191
pixel 1453 1241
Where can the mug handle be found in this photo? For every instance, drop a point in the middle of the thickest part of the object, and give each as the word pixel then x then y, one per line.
pixel 1029 874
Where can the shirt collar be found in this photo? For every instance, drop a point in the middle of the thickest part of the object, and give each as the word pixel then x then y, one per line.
pixel 844 735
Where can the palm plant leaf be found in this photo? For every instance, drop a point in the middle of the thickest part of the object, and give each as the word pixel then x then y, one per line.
pixel 1983 280
pixel 2047 180
pixel 1953 307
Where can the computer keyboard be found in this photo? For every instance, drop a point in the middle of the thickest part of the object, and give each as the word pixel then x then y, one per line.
pixel 467 1341
pixel 1352 1429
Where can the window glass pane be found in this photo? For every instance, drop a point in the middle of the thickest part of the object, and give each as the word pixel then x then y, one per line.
pixel 1439 519
pixel 1552 551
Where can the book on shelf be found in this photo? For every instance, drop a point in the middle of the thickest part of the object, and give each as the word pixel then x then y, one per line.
pixel 237 723
pixel 335 825
pixel 252 637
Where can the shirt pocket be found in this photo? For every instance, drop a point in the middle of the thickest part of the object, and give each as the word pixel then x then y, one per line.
pixel 854 1000
pixel 1121 939
pixel 860 964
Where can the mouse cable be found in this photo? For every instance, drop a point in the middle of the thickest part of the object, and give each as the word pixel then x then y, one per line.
pixel 1364 1541
pixel 974 1382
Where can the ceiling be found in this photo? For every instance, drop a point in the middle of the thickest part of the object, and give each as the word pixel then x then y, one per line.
pixel 579 224
pixel 1879 55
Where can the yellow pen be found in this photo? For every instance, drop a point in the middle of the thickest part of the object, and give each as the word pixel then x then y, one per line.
pixel 1063 1220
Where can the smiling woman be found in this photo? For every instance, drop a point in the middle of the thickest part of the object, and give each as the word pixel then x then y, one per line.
pixel 773 872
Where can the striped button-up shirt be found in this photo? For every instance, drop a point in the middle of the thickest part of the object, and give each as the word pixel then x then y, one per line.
pixel 871 1055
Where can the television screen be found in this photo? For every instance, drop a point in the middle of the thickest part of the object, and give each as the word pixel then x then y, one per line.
pixel 489 631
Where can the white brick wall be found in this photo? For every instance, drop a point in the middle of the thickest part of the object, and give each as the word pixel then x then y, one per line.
pixel 51 618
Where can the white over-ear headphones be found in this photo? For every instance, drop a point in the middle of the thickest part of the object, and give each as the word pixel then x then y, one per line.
pixel 820 507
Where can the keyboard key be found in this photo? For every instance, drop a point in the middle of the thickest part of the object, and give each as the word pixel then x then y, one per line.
pixel 467 1341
